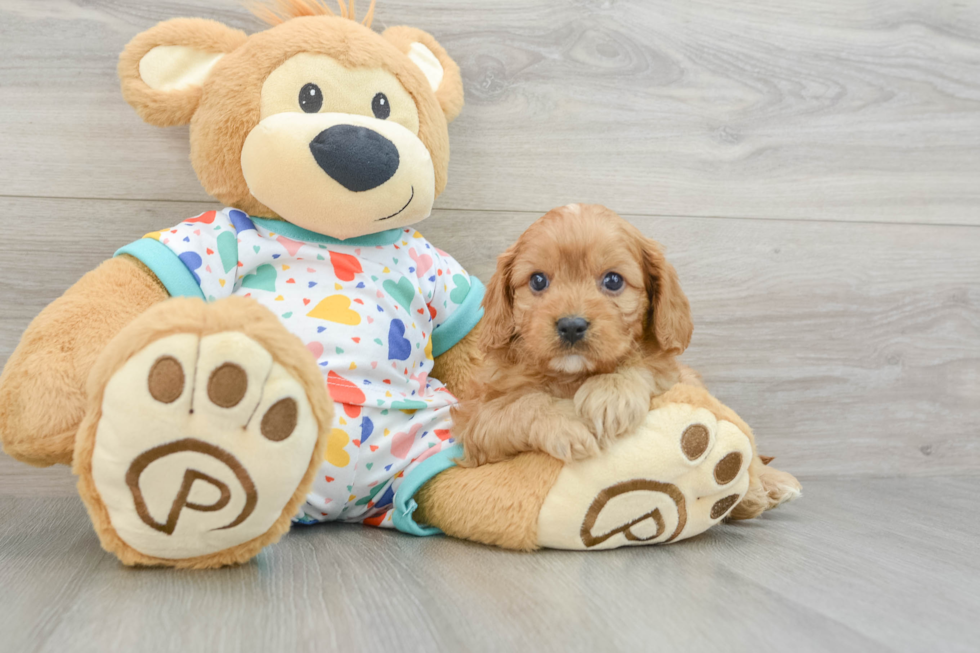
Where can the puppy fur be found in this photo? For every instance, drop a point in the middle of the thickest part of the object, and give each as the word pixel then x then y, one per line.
pixel 536 392
pixel 539 393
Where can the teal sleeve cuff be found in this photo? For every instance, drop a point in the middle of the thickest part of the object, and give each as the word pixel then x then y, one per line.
pixel 166 265
pixel 462 321
pixel 405 505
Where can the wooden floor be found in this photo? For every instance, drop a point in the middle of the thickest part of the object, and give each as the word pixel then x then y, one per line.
pixel 813 169
pixel 845 570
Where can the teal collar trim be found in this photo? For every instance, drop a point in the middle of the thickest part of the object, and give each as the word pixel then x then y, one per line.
pixel 289 230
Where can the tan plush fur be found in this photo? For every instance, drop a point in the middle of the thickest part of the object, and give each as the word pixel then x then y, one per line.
pixel 43 386
pixel 59 348
pixel 194 316
pixel 170 108
pixel 42 389
pixel 228 103
pixel 450 92
pixel 539 393
pixel 46 414
pixel 494 504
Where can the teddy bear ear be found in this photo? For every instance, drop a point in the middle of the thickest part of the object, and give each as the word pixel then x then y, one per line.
pixel 439 69
pixel 162 69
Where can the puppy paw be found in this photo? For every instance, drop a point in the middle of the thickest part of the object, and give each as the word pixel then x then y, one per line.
pixel 768 489
pixel 572 441
pixel 781 487
pixel 613 404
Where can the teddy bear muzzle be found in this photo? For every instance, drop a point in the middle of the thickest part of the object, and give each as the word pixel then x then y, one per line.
pixel 338 174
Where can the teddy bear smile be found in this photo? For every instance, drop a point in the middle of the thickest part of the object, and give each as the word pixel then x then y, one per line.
pixel 401 209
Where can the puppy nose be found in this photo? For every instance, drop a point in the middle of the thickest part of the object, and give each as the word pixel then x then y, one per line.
pixel 571 329
pixel 357 158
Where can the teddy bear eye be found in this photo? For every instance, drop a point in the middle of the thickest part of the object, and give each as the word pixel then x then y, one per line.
pixel 310 98
pixel 612 282
pixel 538 282
pixel 381 107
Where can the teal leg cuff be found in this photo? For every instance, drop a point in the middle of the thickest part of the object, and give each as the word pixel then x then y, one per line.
pixel 405 505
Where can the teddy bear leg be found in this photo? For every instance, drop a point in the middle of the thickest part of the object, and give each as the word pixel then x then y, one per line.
pixel 682 472
pixel 42 388
pixel 494 504
pixel 205 425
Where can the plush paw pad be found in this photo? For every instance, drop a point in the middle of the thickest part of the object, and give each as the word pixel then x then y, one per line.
pixel 201 443
pixel 679 474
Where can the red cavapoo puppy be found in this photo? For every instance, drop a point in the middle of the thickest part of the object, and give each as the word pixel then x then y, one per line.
pixel 584 322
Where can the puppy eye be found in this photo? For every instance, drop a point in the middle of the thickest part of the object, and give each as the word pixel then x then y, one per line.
pixel 310 98
pixel 381 107
pixel 612 282
pixel 538 282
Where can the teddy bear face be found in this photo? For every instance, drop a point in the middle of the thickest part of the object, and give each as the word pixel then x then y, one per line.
pixel 361 127
pixel 319 121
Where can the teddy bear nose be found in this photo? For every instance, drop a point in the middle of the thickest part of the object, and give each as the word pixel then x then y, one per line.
pixel 357 158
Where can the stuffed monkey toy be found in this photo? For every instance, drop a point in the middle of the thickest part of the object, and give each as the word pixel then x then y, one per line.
pixel 294 357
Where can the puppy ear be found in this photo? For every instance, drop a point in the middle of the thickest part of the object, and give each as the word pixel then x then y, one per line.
pixel 498 305
pixel 671 324
pixel 439 69
pixel 162 69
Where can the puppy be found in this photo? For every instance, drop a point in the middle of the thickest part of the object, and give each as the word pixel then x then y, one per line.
pixel 584 322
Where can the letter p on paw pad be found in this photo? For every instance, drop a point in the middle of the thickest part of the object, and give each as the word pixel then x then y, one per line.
pixel 198 450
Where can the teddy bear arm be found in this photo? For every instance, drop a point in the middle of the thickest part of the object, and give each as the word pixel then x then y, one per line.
pixel 457 367
pixel 43 385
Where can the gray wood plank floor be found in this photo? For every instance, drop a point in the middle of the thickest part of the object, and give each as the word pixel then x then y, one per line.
pixel 844 570
pixel 811 167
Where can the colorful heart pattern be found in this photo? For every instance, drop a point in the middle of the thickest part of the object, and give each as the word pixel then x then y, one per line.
pixel 402 292
pixel 336 308
pixel 462 289
pixel 264 278
pixel 344 391
pixel 345 266
pixel 292 246
pixel 192 261
pixel 336 443
pixel 355 308
pixel 228 250
pixel 401 443
pixel 423 262
pixel 205 218
pixel 399 347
